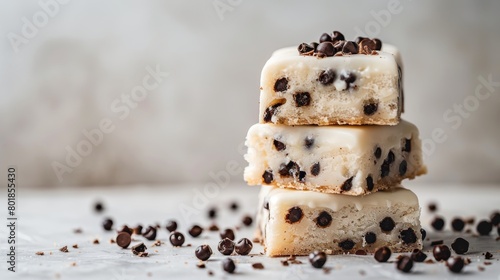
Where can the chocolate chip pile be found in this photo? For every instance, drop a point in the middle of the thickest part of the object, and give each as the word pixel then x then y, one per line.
pixel 335 45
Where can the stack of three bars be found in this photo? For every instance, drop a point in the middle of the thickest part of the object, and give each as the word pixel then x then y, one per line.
pixel 331 150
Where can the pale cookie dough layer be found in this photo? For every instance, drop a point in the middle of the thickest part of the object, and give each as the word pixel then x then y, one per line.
pixel 352 160
pixel 352 89
pixel 295 222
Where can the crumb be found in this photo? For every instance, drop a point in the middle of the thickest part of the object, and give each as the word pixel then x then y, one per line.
pixel 77 230
pixel 39 253
pixel 75 246
pixel 327 270
pixel 64 249
pixel 96 241
pixel 258 266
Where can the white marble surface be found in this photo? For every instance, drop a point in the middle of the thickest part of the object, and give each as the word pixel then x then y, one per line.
pixel 47 219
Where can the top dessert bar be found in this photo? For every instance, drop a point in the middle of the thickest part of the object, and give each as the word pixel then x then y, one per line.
pixel 333 82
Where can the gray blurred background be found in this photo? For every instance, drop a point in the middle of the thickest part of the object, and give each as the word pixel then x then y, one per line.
pixel 64 66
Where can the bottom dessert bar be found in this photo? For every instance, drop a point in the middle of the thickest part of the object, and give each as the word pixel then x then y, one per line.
pixel 293 222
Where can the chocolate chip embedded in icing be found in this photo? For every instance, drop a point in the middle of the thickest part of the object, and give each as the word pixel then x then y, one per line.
pixel 347 244
pixel 378 152
pixel 366 46
pixel 350 47
pixel 305 49
pixel 281 85
pixel 302 176
pixel 271 111
pixel 327 77
pixel 347 185
pixel 370 107
pixel 390 157
pixel 402 168
pixel 315 168
pixel 337 36
pixel 280 146
pixel 387 224
pixel 302 99
pixel 359 39
pixel 406 145
pixel 289 169
pixel 348 78
pixel 308 142
pixel 268 176
pixel 294 215
pixel 369 183
pixel 325 49
pixel 324 219
pixel 386 165
pixel 370 237
pixel 408 236
pixel 378 44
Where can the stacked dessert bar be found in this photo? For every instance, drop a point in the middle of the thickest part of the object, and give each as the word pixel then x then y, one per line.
pixel 330 150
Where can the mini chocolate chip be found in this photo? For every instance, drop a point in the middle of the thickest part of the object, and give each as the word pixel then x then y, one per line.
pixel 408 236
pixel 403 166
pixel 139 248
pixel 348 78
pixel 407 145
pixel 382 254
pixel 123 239
pixel 195 231
pixel 126 229
pixel 302 176
pixel 305 48
pixel 378 152
pixel 317 259
pixel 289 169
pixel 457 224
pixel 488 255
pixel 171 225
pixel 418 256
pixel 495 218
pixel 247 220
pixel 243 247
pixel 441 252
pixel 337 36
pixel 347 244
pixel 347 185
pixel 325 37
pixel 270 111
pixel 315 168
pixel 294 215
pixel 138 230
pixel 366 46
pixel 227 233
pixel 484 227
pixel 385 169
pixel 309 142
pixel 302 99
pixel 438 223
pixel 338 46
pixel 460 246
pixel 327 77
pixel 324 219
pixel 378 44
pixel 213 227
pixel 350 47
pixel 268 176
pixel 370 108
pixel 150 233
pixel 390 157
pixel 281 85
pixel 423 232
pixel 203 252
pixel 228 265
pixel 212 213
pixel 404 264
pixel 280 146
pixel 226 246
pixel 455 264
pixel 370 237
pixel 325 49
pixel 258 266
pixel 107 224
pixel 359 39
pixel 432 207
pixel 176 238
pixel 387 224
pixel 99 207
pixel 369 183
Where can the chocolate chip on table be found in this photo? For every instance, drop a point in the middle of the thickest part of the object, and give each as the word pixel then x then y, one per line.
pixel 348 78
pixel 139 248
pixel 247 220
pixel 39 253
pixel 370 237
pixel 315 168
pixel 404 264
pixel 98 206
pixel 347 185
pixel 432 207
pixel 382 254
pixel 325 37
pixel 309 142
pixel 408 236
pixel 195 231
pixel 96 241
pixel 378 153
pixel 227 233
pixel 325 49
pixel 378 44
pixel 64 249
pixel 403 167
pixel 369 183
pixel 488 255
pixel 126 229
pixel 438 223
pixel 107 224
pixel 171 225
pixel 200 265
pixel 460 246
pixel 407 145
pixel 327 77
pixel 281 85
pixel 212 213
pixel 324 219
pixel 441 252
pixel 228 265
pixel 203 252
pixel 258 266
pixel 289 169
pixel 234 206
pixel 347 244
pixel 484 227
pixel 271 111
pixel 150 233
pixel 243 246
pixel 302 99
pixel 495 218
pixel 137 230
pixel 317 259
pixel 418 256
pixel 423 232
pixel 457 224
pixel 294 215
pixel 176 238
pixel 350 47
pixel 387 224
pixel 226 246
pixel 455 264
pixel 305 49
pixel 268 176
pixel 370 108
pixel 280 146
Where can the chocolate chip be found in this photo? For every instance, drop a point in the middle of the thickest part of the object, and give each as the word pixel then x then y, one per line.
pixel 226 246
pixel 305 49
pixel 195 231
pixel 441 252
pixel 370 237
pixel 407 146
pixel 488 255
pixel 423 232
pixel 138 230
pixel 385 169
pixel 348 78
pixel 325 37
pixel 387 224
pixel 378 44
pixel 347 244
pixel 281 85
pixel 360 252
pixel 280 146
pixel 438 223
pixel 337 36
pixel 378 152
pixel 126 229
pixel 370 107
pixel 484 227
pixel 324 219
pixel 350 47
pixel 366 46
pixel 327 77
pixel 227 233
pixel 203 252
pixel 325 49
pixel 408 236
pixel 294 215
pixel 418 256
pixel 315 168
pixel 171 225
pixel 338 47
pixel 317 259
pixel 212 213
pixel 302 176
pixel 309 142
pixel 404 264
pixel 457 224
pixel 176 238
pixel 139 248
pixel 347 185
pixel 99 207
pixel 228 265
pixel 268 176
pixel 495 218
pixel 234 206
pixel 369 183
pixel 213 227
pixel 247 220
pixel 455 264
pixel 150 233
pixel 289 169
pixel 390 157
pixel 123 239
pixel 432 207
pixel 403 167
pixel 302 99
pixel 359 39
pixel 107 224
pixel 270 111
pixel 243 247
pixel 382 254
pixel 258 266
pixel 460 246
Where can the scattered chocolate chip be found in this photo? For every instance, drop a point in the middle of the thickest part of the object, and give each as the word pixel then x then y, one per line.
pixel 210 273
pixel 495 218
pixel 228 265
pixel 387 224
pixel 98 207
pixel 455 264
pixel 347 244
pixel 437 242
pixel 243 246
pixel 460 246
pixel 378 44
pixel 418 256
pixel 195 231
pixel 402 168
pixel 382 254
pixel 325 49
pixel 424 233
pixel 309 142
pixel 325 37
pixel 227 233
pixel 281 85
pixel 324 219
pixel 257 266
pixel 305 49
pixel 171 225
pixel 77 230
pixel 404 264
pixel 212 213
pixel 488 256
pixel 64 249
pixel 107 224
pixel 350 47
pixel 315 168
pixel 123 239
pixel 484 227
pixel 234 206
pixel 438 223
pixel 75 246
pixel 407 145
pixel 280 146
pixel 96 241
pixel 347 185
pixel 226 246
pixel 126 229
pixel 289 169
pixel 270 112
pixel 200 265
pixel 247 220
pixel 284 262
pixel 327 77
pixel 39 253
pixel 268 176
pixel 348 78
pixel 137 230
pixel 203 252
pixel 408 236
pixel 487 263
pixel 150 233
pixel 370 108
pixel 441 252
pixel 176 238
pixel 139 248
pixel 360 252
pixel 302 99
pixel 370 237
pixel 317 259
pixel 457 224
pixel 432 207
pixel 369 183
